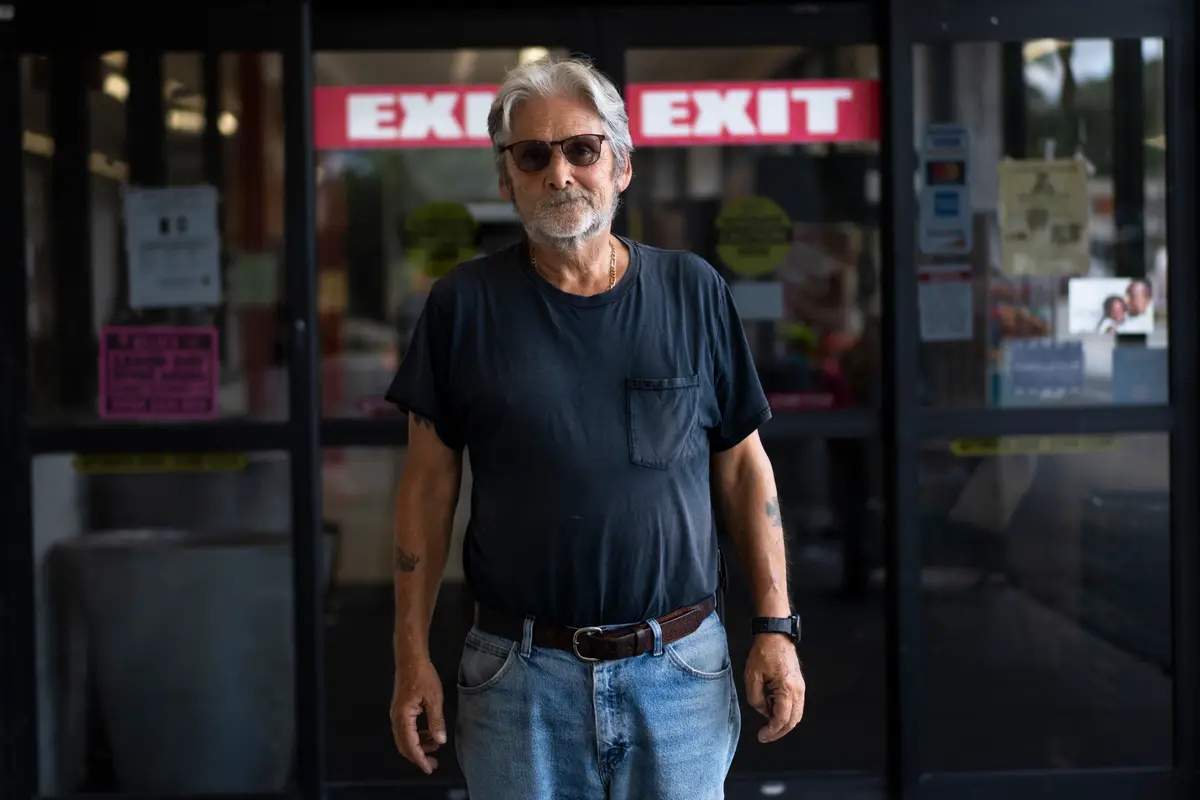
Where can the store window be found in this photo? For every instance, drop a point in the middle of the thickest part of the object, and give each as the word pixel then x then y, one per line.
pixel 1042 227
pixel 399 205
pixel 1046 602
pixel 165 624
pixel 102 292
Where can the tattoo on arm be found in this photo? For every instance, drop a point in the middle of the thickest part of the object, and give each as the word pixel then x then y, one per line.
pixel 405 562
pixel 424 423
pixel 773 513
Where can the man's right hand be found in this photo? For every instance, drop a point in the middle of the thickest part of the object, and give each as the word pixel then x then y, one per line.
pixel 417 690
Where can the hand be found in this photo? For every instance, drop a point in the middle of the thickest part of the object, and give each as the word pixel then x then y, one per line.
pixel 418 689
pixel 775 685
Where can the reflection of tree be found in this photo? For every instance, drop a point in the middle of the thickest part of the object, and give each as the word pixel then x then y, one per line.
pixel 1081 114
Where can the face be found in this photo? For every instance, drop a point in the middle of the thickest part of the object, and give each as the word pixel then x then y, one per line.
pixel 1116 310
pixel 1138 298
pixel 562 204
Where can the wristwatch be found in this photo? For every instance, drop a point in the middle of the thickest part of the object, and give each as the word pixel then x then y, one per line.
pixel 788 626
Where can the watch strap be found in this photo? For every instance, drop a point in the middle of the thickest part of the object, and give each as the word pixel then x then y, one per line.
pixel 788 626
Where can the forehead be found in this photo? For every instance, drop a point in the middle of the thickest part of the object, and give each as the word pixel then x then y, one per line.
pixel 553 118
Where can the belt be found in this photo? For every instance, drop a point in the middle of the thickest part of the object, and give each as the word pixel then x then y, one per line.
pixel 597 644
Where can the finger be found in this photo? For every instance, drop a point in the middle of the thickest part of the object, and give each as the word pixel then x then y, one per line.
pixel 428 743
pixel 437 721
pixel 797 705
pixel 781 714
pixel 755 694
pixel 409 740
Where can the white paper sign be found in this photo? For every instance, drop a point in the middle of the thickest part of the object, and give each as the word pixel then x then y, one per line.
pixel 174 247
pixel 945 200
pixel 946 304
pixel 758 300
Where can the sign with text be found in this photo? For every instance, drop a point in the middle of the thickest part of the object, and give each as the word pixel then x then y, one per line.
pixel 159 372
pixel 660 114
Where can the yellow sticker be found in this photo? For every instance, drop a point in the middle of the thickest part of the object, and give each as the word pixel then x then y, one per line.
pixel 754 235
pixel 129 463
pixel 1033 445
pixel 438 236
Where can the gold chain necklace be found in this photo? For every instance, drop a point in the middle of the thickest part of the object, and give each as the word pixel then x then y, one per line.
pixel 612 264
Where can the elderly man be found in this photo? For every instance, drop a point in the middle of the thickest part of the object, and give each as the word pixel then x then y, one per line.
pixel 602 388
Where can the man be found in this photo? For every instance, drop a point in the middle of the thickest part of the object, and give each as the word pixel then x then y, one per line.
pixel 1138 296
pixel 599 385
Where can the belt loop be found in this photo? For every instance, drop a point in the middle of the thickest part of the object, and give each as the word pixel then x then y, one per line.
pixel 658 642
pixel 527 638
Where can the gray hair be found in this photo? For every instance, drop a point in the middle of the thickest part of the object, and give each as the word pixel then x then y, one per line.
pixel 571 77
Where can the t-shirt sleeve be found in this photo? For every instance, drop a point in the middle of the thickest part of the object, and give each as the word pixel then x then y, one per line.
pixel 741 402
pixel 422 383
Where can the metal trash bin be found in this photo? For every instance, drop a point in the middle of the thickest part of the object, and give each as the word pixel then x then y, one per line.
pixel 191 641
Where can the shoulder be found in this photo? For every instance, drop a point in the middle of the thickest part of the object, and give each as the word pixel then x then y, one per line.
pixel 471 280
pixel 677 269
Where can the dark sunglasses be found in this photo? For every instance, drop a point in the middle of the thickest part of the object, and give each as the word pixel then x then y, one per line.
pixel 533 155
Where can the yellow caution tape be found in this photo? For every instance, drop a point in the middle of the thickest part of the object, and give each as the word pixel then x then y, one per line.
pixel 127 463
pixel 1032 445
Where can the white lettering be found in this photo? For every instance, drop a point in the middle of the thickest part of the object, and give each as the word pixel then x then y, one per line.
pixel 822 105
pixel 664 113
pixel 426 116
pixel 475 113
pixel 774 112
pixel 717 113
pixel 371 117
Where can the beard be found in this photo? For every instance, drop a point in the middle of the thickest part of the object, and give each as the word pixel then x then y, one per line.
pixel 567 220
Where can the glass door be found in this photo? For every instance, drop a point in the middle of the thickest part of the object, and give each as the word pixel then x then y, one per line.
pixel 1044 295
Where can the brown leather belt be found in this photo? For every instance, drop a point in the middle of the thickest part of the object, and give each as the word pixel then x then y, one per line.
pixel 597 644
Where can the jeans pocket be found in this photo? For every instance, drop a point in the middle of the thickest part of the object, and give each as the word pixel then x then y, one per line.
pixel 661 419
pixel 485 661
pixel 704 653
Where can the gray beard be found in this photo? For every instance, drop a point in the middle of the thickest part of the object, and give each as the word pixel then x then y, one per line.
pixel 575 242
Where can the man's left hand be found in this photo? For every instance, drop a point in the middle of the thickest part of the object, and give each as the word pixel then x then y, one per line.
pixel 775 685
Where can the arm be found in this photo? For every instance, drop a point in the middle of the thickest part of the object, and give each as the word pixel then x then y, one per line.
pixel 425 503
pixel 749 502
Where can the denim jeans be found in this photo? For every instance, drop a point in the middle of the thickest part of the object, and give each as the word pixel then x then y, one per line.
pixel 540 724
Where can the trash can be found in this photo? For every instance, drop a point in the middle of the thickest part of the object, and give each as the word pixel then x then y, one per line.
pixel 190 639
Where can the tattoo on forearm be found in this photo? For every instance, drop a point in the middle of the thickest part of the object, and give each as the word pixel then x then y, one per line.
pixel 405 562
pixel 773 513
pixel 424 423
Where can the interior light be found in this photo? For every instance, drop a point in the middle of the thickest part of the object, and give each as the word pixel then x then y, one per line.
pixel 115 58
pixel 185 121
pixel 227 123
pixel 116 86
pixel 529 54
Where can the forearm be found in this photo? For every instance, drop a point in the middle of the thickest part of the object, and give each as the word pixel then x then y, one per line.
pixel 421 545
pixel 750 503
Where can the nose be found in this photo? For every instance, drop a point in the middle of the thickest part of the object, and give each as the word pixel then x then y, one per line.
pixel 558 171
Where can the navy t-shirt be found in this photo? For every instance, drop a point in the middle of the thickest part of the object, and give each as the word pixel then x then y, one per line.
pixel 589 423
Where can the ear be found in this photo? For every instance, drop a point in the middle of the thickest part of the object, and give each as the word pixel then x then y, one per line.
pixel 626 176
pixel 505 188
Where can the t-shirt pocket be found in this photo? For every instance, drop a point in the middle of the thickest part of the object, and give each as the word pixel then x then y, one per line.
pixel 661 419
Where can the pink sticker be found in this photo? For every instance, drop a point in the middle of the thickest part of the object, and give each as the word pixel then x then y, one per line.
pixel 159 373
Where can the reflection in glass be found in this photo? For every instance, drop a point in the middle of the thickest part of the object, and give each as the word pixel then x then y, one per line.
pixel 165 623
pixel 792 226
pixel 1057 294
pixel 1046 593
pixel 77 289
pixel 829 497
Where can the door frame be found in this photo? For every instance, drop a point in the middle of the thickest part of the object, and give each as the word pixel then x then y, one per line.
pixel 896 26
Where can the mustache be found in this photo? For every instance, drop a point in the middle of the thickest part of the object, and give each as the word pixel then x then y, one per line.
pixel 567 199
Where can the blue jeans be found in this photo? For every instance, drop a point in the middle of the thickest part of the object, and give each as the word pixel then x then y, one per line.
pixel 540 724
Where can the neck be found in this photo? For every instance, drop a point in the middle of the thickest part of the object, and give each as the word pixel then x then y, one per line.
pixel 578 263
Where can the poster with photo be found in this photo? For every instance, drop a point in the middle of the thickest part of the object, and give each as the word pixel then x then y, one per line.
pixel 1110 305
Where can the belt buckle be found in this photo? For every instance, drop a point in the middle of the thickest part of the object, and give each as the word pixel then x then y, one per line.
pixel 590 631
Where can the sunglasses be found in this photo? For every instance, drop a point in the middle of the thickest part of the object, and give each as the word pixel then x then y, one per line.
pixel 533 155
